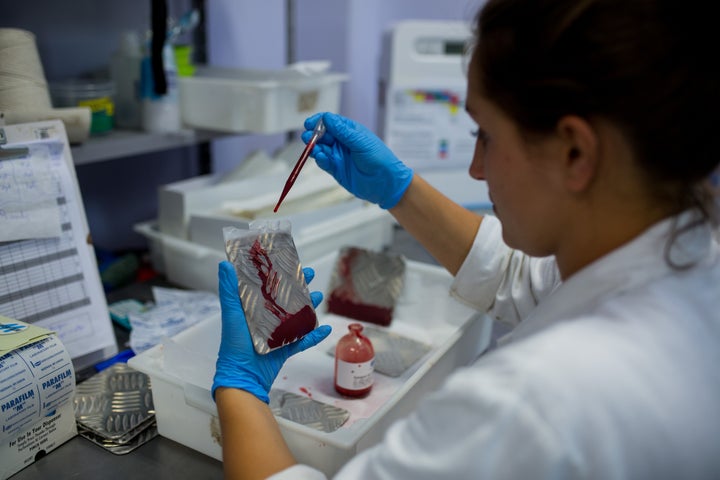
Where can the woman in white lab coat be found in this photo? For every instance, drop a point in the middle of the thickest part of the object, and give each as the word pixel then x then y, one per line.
pixel 596 131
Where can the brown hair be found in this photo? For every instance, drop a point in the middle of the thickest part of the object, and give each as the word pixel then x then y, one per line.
pixel 646 65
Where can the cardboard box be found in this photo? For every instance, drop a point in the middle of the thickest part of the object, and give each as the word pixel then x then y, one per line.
pixel 37 385
pixel 37 440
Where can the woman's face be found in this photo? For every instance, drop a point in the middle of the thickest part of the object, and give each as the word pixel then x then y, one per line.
pixel 522 180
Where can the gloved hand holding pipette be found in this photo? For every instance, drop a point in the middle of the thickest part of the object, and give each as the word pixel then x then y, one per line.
pixel 359 160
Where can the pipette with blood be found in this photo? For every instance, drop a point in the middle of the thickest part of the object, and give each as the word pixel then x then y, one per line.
pixel 318 132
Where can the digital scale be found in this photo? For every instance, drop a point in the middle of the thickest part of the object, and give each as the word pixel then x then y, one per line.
pixel 422 113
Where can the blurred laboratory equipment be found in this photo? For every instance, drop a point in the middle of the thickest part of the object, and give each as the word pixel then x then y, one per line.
pixel 125 73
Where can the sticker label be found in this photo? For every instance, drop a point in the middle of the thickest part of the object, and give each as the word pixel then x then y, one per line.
pixel 12 328
pixel 355 376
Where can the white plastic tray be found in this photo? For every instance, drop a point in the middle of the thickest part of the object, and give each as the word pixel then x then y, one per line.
pixel 193 265
pixel 181 372
pixel 242 100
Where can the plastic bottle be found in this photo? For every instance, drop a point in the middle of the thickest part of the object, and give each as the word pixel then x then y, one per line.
pixel 354 363
pixel 125 73
pixel 160 113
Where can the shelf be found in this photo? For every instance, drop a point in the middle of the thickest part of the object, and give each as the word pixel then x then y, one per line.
pixel 125 143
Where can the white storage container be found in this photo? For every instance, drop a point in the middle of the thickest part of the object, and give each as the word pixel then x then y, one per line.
pixel 181 372
pixel 178 200
pixel 206 227
pixel 256 195
pixel 192 265
pixel 260 101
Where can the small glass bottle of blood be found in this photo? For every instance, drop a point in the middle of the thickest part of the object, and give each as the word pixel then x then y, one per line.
pixel 354 363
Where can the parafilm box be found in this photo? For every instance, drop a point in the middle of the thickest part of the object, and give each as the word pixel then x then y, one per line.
pixel 37 384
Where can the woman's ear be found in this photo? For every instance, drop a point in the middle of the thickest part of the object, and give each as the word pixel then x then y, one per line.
pixel 580 144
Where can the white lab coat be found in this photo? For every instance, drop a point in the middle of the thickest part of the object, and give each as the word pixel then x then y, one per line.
pixel 614 374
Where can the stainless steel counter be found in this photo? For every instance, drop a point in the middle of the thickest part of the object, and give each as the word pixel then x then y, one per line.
pixel 159 459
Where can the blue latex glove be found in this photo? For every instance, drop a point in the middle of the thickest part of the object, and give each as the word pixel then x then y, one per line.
pixel 359 160
pixel 238 364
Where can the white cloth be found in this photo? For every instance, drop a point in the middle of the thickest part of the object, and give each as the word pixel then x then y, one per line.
pixel 614 375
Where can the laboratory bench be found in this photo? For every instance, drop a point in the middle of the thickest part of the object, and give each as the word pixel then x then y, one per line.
pixel 159 458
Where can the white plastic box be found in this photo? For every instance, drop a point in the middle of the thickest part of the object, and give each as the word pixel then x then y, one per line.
pixel 181 372
pixel 260 101
pixel 193 265
pixel 178 200
pixel 210 195
pixel 206 227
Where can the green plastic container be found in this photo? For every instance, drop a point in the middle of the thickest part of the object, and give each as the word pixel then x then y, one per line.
pixel 96 94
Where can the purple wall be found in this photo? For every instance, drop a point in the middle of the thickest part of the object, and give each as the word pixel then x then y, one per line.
pixel 249 34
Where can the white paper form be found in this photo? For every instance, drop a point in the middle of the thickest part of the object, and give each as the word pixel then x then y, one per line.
pixel 54 282
pixel 29 189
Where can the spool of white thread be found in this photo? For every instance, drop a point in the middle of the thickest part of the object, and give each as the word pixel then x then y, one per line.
pixel 24 93
pixel 22 78
pixel 13 36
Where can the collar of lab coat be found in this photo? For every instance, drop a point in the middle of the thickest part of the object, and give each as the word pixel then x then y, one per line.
pixel 637 263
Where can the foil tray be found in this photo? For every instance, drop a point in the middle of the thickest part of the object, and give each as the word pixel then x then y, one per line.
pixel 306 411
pixel 272 288
pixel 365 285
pixel 121 448
pixel 115 404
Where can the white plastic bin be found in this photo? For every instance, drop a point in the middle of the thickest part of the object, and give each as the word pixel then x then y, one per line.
pixel 178 200
pixel 315 195
pixel 260 101
pixel 181 372
pixel 193 265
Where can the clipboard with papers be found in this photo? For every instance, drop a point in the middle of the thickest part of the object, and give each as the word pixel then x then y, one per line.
pixel 48 270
